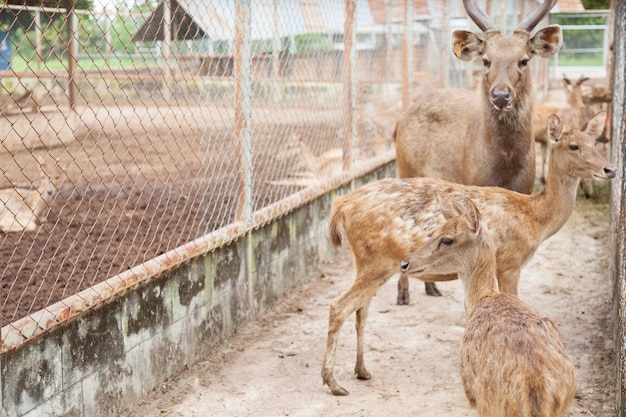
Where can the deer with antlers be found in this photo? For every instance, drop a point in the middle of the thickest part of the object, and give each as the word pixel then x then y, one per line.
pixel 483 137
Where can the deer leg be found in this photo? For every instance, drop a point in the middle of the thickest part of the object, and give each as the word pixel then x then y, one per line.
pixel 403 290
pixel 350 301
pixel 361 317
pixel 431 289
pixel 544 161
pixel 508 281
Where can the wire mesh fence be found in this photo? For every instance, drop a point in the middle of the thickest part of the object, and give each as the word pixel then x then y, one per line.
pixel 129 129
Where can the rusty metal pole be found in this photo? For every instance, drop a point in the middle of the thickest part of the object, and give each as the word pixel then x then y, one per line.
pixel 349 82
pixel 72 52
pixel 243 103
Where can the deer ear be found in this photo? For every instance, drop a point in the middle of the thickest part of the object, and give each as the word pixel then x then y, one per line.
pixel 449 207
pixel 473 215
pixel 595 126
pixel 555 128
pixel 546 41
pixel 467 45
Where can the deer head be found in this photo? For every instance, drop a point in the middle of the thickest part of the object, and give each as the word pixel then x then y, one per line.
pixel 579 155
pixel 506 74
pixel 574 91
pixel 452 246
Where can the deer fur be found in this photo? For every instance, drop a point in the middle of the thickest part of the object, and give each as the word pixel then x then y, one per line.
pixel 23 209
pixel 326 165
pixel 385 220
pixel 512 361
pixel 481 137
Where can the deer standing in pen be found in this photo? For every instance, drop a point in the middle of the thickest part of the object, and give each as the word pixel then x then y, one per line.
pixel 387 219
pixel 24 209
pixel 512 361
pixel 482 137
pixel 573 116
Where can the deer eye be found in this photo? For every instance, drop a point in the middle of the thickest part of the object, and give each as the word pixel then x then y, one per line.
pixel 446 241
pixel 523 63
pixel 486 63
pixel 573 147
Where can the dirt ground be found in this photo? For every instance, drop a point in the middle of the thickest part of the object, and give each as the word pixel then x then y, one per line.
pixel 272 367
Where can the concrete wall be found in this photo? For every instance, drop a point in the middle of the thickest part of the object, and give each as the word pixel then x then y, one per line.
pixel 618 135
pixel 106 360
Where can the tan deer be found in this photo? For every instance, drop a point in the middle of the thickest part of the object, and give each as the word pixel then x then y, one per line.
pixel 318 167
pixel 512 361
pixel 575 115
pixel 385 220
pixel 481 137
pixel 24 209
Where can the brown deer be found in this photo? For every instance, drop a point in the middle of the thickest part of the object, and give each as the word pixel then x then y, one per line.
pixel 573 116
pixel 481 137
pixel 513 362
pixel 385 220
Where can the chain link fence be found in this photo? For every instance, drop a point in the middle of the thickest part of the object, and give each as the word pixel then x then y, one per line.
pixel 129 129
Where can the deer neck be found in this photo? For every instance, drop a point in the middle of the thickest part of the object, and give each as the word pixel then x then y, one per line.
pixel 555 203
pixel 482 279
pixel 40 201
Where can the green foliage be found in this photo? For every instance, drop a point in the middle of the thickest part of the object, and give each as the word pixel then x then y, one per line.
pixel 313 42
pixel 596 4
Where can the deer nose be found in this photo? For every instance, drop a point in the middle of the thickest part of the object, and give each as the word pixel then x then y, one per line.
pixel 500 98
pixel 610 171
pixel 404 266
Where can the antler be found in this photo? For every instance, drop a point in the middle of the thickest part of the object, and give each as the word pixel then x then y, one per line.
pixel 478 16
pixel 535 17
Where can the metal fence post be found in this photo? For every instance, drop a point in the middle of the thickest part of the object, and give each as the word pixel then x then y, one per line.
pixel 407 54
pixel 618 214
pixel 349 82
pixel 72 52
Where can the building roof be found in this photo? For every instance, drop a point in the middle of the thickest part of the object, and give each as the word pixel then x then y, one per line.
pixel 215 19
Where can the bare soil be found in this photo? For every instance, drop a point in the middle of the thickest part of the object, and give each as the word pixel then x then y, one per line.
pixel 272 367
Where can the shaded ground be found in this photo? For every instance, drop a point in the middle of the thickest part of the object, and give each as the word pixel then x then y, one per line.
pixel 272 368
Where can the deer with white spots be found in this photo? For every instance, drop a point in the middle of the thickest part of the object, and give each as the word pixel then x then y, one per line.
pixel 385 220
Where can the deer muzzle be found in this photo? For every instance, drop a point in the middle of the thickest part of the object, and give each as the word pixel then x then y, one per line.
pixel 609 172
pixel 501 99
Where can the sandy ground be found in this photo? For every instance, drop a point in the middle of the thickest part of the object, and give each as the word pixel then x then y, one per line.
pixel 272 368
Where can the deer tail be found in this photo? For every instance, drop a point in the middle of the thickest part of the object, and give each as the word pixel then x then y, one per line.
pixel 335 224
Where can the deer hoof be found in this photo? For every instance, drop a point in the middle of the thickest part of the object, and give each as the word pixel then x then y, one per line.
pixel 335 388
pixel 362 373
pixel 431 289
